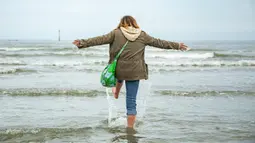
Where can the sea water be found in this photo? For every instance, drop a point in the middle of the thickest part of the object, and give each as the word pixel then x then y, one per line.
pixel 50 92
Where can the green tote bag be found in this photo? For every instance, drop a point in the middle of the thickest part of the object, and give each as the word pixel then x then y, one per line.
pixel 108 78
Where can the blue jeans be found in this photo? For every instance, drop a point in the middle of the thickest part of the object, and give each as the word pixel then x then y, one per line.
pixel 131 93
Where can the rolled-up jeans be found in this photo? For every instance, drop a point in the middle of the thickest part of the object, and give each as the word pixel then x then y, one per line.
pixel 131 93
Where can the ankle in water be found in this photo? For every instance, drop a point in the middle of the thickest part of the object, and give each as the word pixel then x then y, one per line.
pixel 130 131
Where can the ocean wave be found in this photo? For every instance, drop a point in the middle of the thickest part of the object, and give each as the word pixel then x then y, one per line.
pixel 56 54
pixel 22 49
pixel 11 61
pixel 41 133
pixel 81 53
pixel 204 49
pixel 105 54
pixel 69 63
pixel 50 92
pixel 233 55
pixel 181 55
pixel 192 55
pixel 215 63
pixel 94 93
pixel 53 48
pixel 35 49
pixel 173 63
pixel 205 93
pixel 15 70
pixel 152 63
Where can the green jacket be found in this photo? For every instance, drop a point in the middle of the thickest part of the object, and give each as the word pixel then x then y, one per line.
pixel 131 64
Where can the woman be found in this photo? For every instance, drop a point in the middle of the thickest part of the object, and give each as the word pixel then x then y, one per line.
pixel 131 66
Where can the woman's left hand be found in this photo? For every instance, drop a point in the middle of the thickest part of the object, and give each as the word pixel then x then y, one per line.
pixel 183 47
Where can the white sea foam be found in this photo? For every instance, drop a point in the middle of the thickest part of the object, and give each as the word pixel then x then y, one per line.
pixel 7 70
pixel 154 63
pixel 202 63
pixel 175 55
pixel 11 61
pixel 20 49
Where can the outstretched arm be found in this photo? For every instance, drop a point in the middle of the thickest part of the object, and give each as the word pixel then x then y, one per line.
pixel 99 40
pixel 163 44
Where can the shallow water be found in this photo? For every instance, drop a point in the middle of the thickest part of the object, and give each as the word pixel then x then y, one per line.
pixel 50 92
pixel 167 118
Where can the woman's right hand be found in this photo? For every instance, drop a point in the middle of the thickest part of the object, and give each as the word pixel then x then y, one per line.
pixel 77 43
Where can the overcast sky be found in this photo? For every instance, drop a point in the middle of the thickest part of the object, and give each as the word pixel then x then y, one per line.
pixel 168 19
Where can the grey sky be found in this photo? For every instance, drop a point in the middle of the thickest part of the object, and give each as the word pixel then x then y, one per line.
pixel 168 19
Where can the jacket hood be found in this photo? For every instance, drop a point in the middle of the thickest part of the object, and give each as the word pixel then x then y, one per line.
pixel 131 33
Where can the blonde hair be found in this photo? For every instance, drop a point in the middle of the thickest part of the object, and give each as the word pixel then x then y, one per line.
pixel 127 21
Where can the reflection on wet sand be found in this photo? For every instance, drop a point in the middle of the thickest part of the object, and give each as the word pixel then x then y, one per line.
pixel 130 136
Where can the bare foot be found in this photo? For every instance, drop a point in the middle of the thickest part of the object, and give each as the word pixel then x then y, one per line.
pixel 116 95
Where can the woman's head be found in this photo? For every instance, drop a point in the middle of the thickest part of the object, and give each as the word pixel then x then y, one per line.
pixel 127 21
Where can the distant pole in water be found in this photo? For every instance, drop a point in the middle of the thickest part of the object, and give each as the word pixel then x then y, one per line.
pixel 58 35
